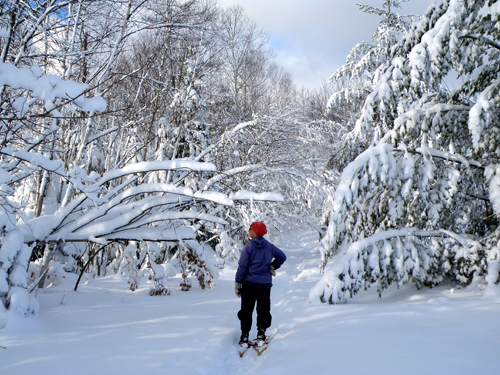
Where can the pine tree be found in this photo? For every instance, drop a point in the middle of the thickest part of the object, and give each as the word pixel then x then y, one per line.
pixel 354 81
pixel 421 202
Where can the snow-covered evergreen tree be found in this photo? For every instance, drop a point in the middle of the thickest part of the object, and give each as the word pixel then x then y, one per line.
pixel 421 203
pixel 354 81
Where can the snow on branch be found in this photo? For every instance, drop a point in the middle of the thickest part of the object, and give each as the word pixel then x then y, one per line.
pixel 48 88
pixel 231 172
pixel 397 256
pixel 162 165
pixel 224 137
pixel 482 38
pixel 123 212
pixel 427 151
pixel 102 134
pixel 173 215
pixel 159 233
pixel 75 177
pixel 38 160
pixel 251 196
pixel 381 190
pixel 416 115
pixel 480 117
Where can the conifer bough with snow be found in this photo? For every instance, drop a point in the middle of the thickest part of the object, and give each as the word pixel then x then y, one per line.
pixel 421 202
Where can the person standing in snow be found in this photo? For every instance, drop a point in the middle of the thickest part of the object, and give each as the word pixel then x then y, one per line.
pixel 258 261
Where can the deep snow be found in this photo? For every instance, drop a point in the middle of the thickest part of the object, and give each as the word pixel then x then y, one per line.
pixel 106 329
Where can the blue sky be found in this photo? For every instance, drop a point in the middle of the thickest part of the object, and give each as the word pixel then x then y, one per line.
pixel 313 37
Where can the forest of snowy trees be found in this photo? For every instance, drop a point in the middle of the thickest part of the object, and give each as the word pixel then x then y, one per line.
pixel 138 133
pixel 143 136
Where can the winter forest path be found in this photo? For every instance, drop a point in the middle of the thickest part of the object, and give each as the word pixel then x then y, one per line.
pixel 106 329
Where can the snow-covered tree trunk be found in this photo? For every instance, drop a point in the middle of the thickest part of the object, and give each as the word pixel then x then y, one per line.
pixel 47 257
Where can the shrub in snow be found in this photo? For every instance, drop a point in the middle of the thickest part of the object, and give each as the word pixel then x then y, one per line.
pixel 22 302
pixel 196 262
pixel 421 203
pixel 131 265
pixel 14 258
pixel 108 205
pixel 99 208
pixel 54 275
pixel 227 249
pixel 161 273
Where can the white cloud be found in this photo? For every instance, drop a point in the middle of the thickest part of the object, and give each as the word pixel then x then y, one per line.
pixel 313 37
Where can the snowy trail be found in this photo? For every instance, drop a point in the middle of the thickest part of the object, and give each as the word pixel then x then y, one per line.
pixel 106 329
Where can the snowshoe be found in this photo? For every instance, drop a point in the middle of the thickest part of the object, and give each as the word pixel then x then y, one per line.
pixel 244 344
pixel 261 335
pixel 261 342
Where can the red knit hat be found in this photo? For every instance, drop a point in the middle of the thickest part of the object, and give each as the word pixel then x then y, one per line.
pixel 259 228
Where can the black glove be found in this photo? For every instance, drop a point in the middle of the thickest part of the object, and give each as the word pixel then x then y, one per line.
pixel 271 270
pixel 237 289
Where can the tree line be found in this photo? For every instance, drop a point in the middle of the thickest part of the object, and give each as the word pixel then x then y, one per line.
pixel 137 132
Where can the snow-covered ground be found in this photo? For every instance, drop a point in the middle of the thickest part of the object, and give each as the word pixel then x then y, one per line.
pixel 106 329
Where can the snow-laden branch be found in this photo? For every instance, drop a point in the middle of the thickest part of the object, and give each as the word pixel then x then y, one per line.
pixel 224 138
pixel 348 174
pixel 478 116
pixel 40 161
pixel 483 39
pixel 120 212
pixel 173 215
pixel 417 114
pixel 427 151
pixel 393 256
pixel 102 134
pixel 48 88
pixel 361 161
pixel 231 172
pixel 243 195
pixel 160 233
pixel 162 165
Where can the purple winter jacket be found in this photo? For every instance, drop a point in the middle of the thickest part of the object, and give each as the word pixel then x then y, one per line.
pixel 256 257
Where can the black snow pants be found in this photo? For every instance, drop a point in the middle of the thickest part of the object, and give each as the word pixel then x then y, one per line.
pixel 249 296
